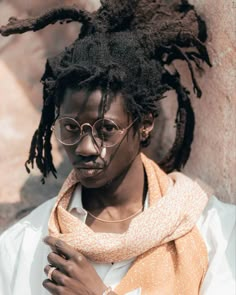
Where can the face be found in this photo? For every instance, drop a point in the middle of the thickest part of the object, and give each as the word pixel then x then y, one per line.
pixel 99 166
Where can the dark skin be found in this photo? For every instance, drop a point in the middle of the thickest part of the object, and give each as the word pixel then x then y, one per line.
pixel 74 274
pixel 114 190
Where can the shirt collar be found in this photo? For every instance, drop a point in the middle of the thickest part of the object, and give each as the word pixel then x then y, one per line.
pixel 76 200
pixel 76 206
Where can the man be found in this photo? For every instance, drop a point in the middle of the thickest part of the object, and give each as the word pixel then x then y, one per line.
pixel 119 225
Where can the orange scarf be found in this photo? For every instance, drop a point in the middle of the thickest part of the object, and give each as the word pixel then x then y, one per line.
pixel 171 255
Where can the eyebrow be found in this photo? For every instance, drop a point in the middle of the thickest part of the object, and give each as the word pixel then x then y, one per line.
pixel 116 120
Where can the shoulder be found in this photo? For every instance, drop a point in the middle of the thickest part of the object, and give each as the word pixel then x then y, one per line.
pixel 218 219
pixel 34 223
pixel 22 252
pixel 217 226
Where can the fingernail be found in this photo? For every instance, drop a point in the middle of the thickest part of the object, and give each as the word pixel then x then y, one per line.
pixel 45 240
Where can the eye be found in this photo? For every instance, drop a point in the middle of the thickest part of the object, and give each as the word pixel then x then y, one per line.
pixel 71 127
pixel 106 128
pixel 109 127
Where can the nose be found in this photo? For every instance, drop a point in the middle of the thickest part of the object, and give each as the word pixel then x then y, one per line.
pixel 87 147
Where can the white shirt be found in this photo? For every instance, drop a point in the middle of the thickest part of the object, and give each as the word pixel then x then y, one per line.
pixel 23 255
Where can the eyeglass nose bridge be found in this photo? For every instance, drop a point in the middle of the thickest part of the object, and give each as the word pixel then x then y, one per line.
pixel 82 133
pixel 82 128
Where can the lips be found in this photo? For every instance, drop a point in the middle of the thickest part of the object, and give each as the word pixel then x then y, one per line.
pixel 89 172
pixel 89 167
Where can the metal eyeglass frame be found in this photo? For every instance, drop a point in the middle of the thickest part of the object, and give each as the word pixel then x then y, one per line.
pixel 121 130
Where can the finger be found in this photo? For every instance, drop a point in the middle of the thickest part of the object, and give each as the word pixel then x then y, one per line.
pixel 69 267
pixel 56 260
pixel 54 244
pixel 50 241
pixel 57 276
pixel 49 268
pixel 63 248
pixel 58 246
pixel 53 288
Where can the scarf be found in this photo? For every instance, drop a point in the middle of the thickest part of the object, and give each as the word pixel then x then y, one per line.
pixel 171 255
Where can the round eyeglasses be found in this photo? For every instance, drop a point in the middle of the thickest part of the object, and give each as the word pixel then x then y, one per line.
pixel 105 132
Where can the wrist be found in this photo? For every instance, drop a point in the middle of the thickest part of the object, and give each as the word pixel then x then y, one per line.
pixel 107 291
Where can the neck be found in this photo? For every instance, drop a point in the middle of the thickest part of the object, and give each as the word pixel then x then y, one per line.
pixel 127 191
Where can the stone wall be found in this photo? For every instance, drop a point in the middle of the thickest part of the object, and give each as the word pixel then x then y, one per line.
pixel 213 156
pixel 22 59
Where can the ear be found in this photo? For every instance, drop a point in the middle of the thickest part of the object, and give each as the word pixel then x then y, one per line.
pixel 147 124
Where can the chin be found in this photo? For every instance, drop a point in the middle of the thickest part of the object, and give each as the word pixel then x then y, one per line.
pixel 93 183
pixel 93 178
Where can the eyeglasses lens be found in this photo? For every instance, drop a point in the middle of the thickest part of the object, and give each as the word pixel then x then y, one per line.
pixel 104 131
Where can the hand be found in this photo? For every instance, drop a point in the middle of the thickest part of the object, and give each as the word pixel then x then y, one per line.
pixel 74 274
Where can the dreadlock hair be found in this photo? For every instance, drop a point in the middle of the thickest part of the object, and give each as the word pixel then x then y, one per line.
pixel 124 46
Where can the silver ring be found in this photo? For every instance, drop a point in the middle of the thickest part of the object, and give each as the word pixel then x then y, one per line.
pixel 50 272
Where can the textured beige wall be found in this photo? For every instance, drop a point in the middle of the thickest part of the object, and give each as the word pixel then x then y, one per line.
pixel 22 58
pixel 213 156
